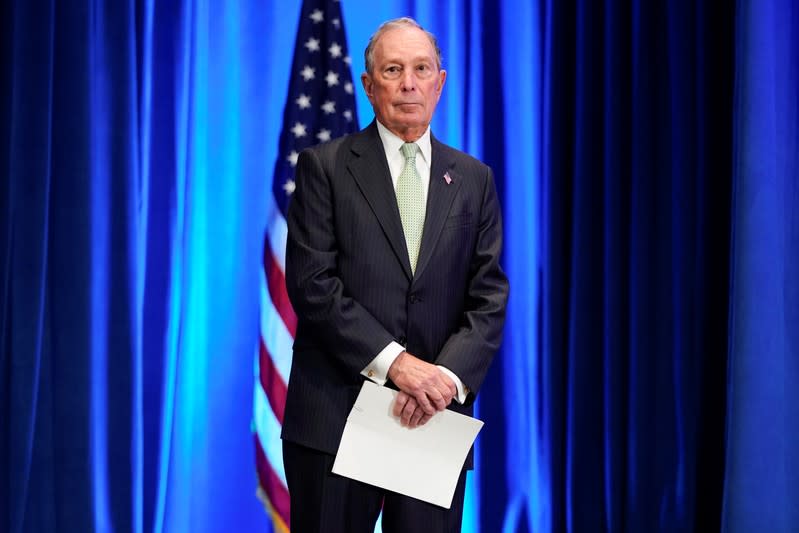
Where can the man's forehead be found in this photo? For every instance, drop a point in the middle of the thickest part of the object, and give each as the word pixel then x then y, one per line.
pixel 399 57
pixel 397 42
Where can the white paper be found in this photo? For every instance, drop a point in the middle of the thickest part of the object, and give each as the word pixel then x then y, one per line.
pixel 424 462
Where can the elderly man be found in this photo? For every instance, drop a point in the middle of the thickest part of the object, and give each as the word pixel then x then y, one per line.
pixel 392 267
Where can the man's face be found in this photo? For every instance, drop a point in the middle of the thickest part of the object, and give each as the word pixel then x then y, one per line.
pixel 405 84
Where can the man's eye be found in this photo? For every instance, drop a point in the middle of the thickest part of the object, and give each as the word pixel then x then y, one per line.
pixel 424 71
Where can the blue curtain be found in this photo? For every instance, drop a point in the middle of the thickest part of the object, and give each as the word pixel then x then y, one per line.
pixel 634 222
pixel 762 481
pixel 136 146
pixel 131 250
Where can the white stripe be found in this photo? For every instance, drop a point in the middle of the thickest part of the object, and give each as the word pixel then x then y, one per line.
pixel 268 429
pixel 278 232
pixel 277 339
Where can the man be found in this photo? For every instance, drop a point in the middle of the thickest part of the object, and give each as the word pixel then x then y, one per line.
pixel 392 266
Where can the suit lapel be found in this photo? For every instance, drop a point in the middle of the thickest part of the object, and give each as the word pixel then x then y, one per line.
pixel 370 170
pixel 440 195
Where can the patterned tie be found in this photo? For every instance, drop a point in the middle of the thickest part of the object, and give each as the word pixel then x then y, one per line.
pixel 410 199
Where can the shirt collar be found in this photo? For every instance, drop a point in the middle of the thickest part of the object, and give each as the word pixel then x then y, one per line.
pixel 392 143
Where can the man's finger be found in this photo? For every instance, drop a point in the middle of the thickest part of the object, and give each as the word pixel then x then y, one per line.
pixel 453 390
pixel 424 403
pixel 416 417
pixel 445 390
pixel 400 402
pixel 407 413
pixel 437 399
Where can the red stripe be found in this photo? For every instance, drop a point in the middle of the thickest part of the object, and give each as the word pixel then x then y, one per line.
pixel 278 494
pixel 272 383
pixel 277 289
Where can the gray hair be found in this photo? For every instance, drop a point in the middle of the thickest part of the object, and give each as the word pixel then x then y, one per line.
pixel 403 22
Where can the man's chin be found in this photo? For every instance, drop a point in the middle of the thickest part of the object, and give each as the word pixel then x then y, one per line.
pixel 410 121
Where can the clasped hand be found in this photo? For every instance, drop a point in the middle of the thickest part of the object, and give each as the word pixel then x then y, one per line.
pixel 424 390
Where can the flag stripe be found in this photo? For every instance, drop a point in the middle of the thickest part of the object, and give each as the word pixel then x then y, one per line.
pixel 276 282
pixel 276 492
pixel 268 430
pixel 274 335
pixel 272 383
pixel 277 233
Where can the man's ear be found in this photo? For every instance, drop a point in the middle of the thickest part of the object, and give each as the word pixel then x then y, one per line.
pixel 442 77
pixel 366 81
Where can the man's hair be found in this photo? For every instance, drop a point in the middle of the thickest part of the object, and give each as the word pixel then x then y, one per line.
pixel 403 22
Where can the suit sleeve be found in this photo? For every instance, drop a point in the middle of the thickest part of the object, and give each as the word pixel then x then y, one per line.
pixel 469 351
pixel 316 292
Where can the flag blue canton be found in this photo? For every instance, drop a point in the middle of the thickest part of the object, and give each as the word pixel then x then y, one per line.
pixel 321 98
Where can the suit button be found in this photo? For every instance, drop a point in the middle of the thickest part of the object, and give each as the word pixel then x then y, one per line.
pixel 402 341
pixel 414 299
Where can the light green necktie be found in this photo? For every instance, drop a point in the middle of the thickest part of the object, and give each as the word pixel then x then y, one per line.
pixel 410 198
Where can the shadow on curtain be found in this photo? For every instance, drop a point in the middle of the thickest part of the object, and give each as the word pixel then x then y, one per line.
pixel 634 225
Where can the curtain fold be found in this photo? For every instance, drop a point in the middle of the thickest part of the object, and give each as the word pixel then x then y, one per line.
pixel 634 260
pixel 762 470
pixel 115 347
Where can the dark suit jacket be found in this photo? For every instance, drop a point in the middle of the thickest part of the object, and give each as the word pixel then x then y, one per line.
pixel 349 278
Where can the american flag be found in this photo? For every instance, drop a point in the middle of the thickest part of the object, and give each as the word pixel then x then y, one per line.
pixel 320 106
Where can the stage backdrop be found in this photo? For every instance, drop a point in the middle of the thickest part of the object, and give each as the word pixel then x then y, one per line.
pixel 137 143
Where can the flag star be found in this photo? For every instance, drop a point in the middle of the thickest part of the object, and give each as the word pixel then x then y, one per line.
pixel 335 50
pixel 289 186
pixel 331 78
pixel 347 59
pixel 337 23
pixel 348 115
pixel 312 45
pixel 323 135
pixel 348 87
pixel 292 158
pixel 307 73
pixel 317 16
pixel 304 101
pixel 298 130
pixel 329 107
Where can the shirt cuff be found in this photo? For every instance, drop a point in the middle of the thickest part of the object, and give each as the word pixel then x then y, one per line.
pixel 377 369
pixel 463 391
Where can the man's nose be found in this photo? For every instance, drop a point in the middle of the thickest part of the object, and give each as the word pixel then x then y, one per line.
pixel 408 81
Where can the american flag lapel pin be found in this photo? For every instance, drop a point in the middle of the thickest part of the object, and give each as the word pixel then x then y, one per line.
pixel 447 178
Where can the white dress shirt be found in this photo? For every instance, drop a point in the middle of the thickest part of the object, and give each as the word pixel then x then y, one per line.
pixel 377 370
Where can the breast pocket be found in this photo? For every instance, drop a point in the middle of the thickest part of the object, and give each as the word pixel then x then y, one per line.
pixel 458 221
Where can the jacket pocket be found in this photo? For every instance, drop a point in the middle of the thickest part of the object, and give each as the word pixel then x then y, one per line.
pixel 460 220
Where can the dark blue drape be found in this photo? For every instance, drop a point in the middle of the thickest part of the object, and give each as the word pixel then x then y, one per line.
pixel 762 473
pixel 130 249
pixel 136 146
pixel 635 242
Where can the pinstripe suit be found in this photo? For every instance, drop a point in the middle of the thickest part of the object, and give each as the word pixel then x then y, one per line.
pixel 349 278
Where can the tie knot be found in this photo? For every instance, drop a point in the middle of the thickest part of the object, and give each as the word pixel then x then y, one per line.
pixel 409 151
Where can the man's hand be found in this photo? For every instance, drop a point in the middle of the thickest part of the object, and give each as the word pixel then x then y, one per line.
pixel 426 384
pixel 411 415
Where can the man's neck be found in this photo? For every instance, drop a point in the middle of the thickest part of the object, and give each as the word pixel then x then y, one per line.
pixel 409 135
